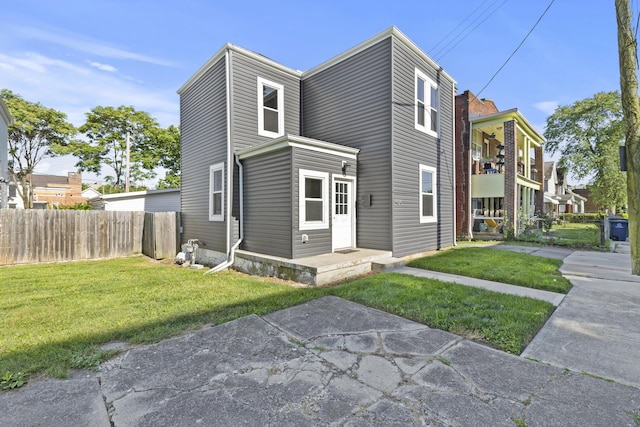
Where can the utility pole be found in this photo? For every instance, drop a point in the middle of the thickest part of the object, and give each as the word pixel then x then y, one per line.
pixel 127 171
pixel 628 54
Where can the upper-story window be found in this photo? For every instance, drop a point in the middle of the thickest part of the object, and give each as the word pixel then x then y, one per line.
pixel 270 108
pixel 426 104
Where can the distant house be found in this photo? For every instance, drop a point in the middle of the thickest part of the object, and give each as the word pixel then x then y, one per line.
pixel 148 201
pixel 5 121
pixel 51 191
pixel 90 193
pixel 499 168
pixel 558 197
pixel 354 153
pixel 589 205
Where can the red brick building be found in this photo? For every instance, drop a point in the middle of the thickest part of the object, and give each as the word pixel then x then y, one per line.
pixel 53 190
pixel 499 168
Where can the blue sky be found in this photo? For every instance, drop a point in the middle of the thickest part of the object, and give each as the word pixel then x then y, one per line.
pixel 73 55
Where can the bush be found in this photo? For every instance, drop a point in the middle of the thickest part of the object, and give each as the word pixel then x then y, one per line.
pixel 584 217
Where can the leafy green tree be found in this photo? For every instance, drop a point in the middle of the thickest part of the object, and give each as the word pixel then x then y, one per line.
pixel 168 146
pixel 587 135
pixel 37 132
pixel 106 131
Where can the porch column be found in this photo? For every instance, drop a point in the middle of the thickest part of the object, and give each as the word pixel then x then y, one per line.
pixel 540 178
pixel 511 193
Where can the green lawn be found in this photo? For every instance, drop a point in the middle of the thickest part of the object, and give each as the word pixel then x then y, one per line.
pixel 584 235
pixel 55 316
pixel 498 266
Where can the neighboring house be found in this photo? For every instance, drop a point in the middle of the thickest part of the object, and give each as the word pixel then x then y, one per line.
pixel 167 200
pixel 499 168
pixel 558 197
pixel 52 190
pixel 90 193
pixel 589 205
pixel 355 152
pixel 5 121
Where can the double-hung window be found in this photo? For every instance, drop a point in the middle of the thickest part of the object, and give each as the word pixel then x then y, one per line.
pixel 426 104
pixel 270 108
pixel 216 192
pixel 313 200
pixel 428 194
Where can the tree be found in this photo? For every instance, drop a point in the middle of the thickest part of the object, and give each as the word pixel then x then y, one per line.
pixel 168 146
pixel 628 59
pixel 106 131
pixel 587 135
pixel 36 132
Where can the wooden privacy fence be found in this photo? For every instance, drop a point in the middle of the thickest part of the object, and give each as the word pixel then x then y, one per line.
pixel 34 235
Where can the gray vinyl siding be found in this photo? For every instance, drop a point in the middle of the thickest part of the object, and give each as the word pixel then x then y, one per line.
pixel 350 104
pixel 203 139
pixel 244 121
pixel 319 240
pixel 268 204
pixel 411 148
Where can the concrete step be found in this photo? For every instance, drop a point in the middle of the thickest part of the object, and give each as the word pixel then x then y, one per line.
pixel 387 264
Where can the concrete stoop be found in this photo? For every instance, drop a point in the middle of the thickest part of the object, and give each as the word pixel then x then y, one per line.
pixel 387 264
pixel 316 270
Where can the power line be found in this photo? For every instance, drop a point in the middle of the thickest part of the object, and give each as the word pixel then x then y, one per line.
pixel 457 26
pixel 516 49
pixel 463 36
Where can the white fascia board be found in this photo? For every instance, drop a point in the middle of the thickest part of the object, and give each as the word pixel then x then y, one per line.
pixel 389 32
pixel 246 52
pixel 299 142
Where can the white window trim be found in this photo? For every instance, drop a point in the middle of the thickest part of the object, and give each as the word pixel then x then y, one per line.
pixel 313 225
pixel 212 170
pixel 434 217
pixel 429 83
pixel 261 131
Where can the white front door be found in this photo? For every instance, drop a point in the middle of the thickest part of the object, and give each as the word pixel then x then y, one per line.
pixel 343 226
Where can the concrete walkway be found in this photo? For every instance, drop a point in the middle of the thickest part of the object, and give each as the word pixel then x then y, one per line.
pixel 597 327
pixel 335 362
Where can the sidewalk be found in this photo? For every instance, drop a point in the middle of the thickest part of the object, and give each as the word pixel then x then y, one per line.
pixel 596 329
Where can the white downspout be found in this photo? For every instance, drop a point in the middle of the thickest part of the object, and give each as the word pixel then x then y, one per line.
pixel 231 256
pixel 469 215
pixel 453 143
pixel 229 180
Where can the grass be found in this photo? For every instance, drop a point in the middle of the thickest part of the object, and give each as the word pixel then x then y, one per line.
pixel 55 317
pixel 585 235
pixel 506 322
pixel 499 266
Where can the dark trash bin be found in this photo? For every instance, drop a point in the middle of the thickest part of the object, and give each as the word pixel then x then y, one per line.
pixel 618 229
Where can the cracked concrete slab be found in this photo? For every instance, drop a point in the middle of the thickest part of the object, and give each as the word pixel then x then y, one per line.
pixel 302 366
pixel 76 401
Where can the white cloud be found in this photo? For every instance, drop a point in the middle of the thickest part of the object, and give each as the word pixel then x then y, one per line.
pixel 103 67
pixel 548 107
pixel 83 44
pixel 75 89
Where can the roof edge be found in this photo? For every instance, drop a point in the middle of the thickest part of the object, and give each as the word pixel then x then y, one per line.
pixel 231 47
pixel 392 31
pixel 295 140
pixel 515 113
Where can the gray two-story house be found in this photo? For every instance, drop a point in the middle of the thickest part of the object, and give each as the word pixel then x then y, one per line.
pixel 354 153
